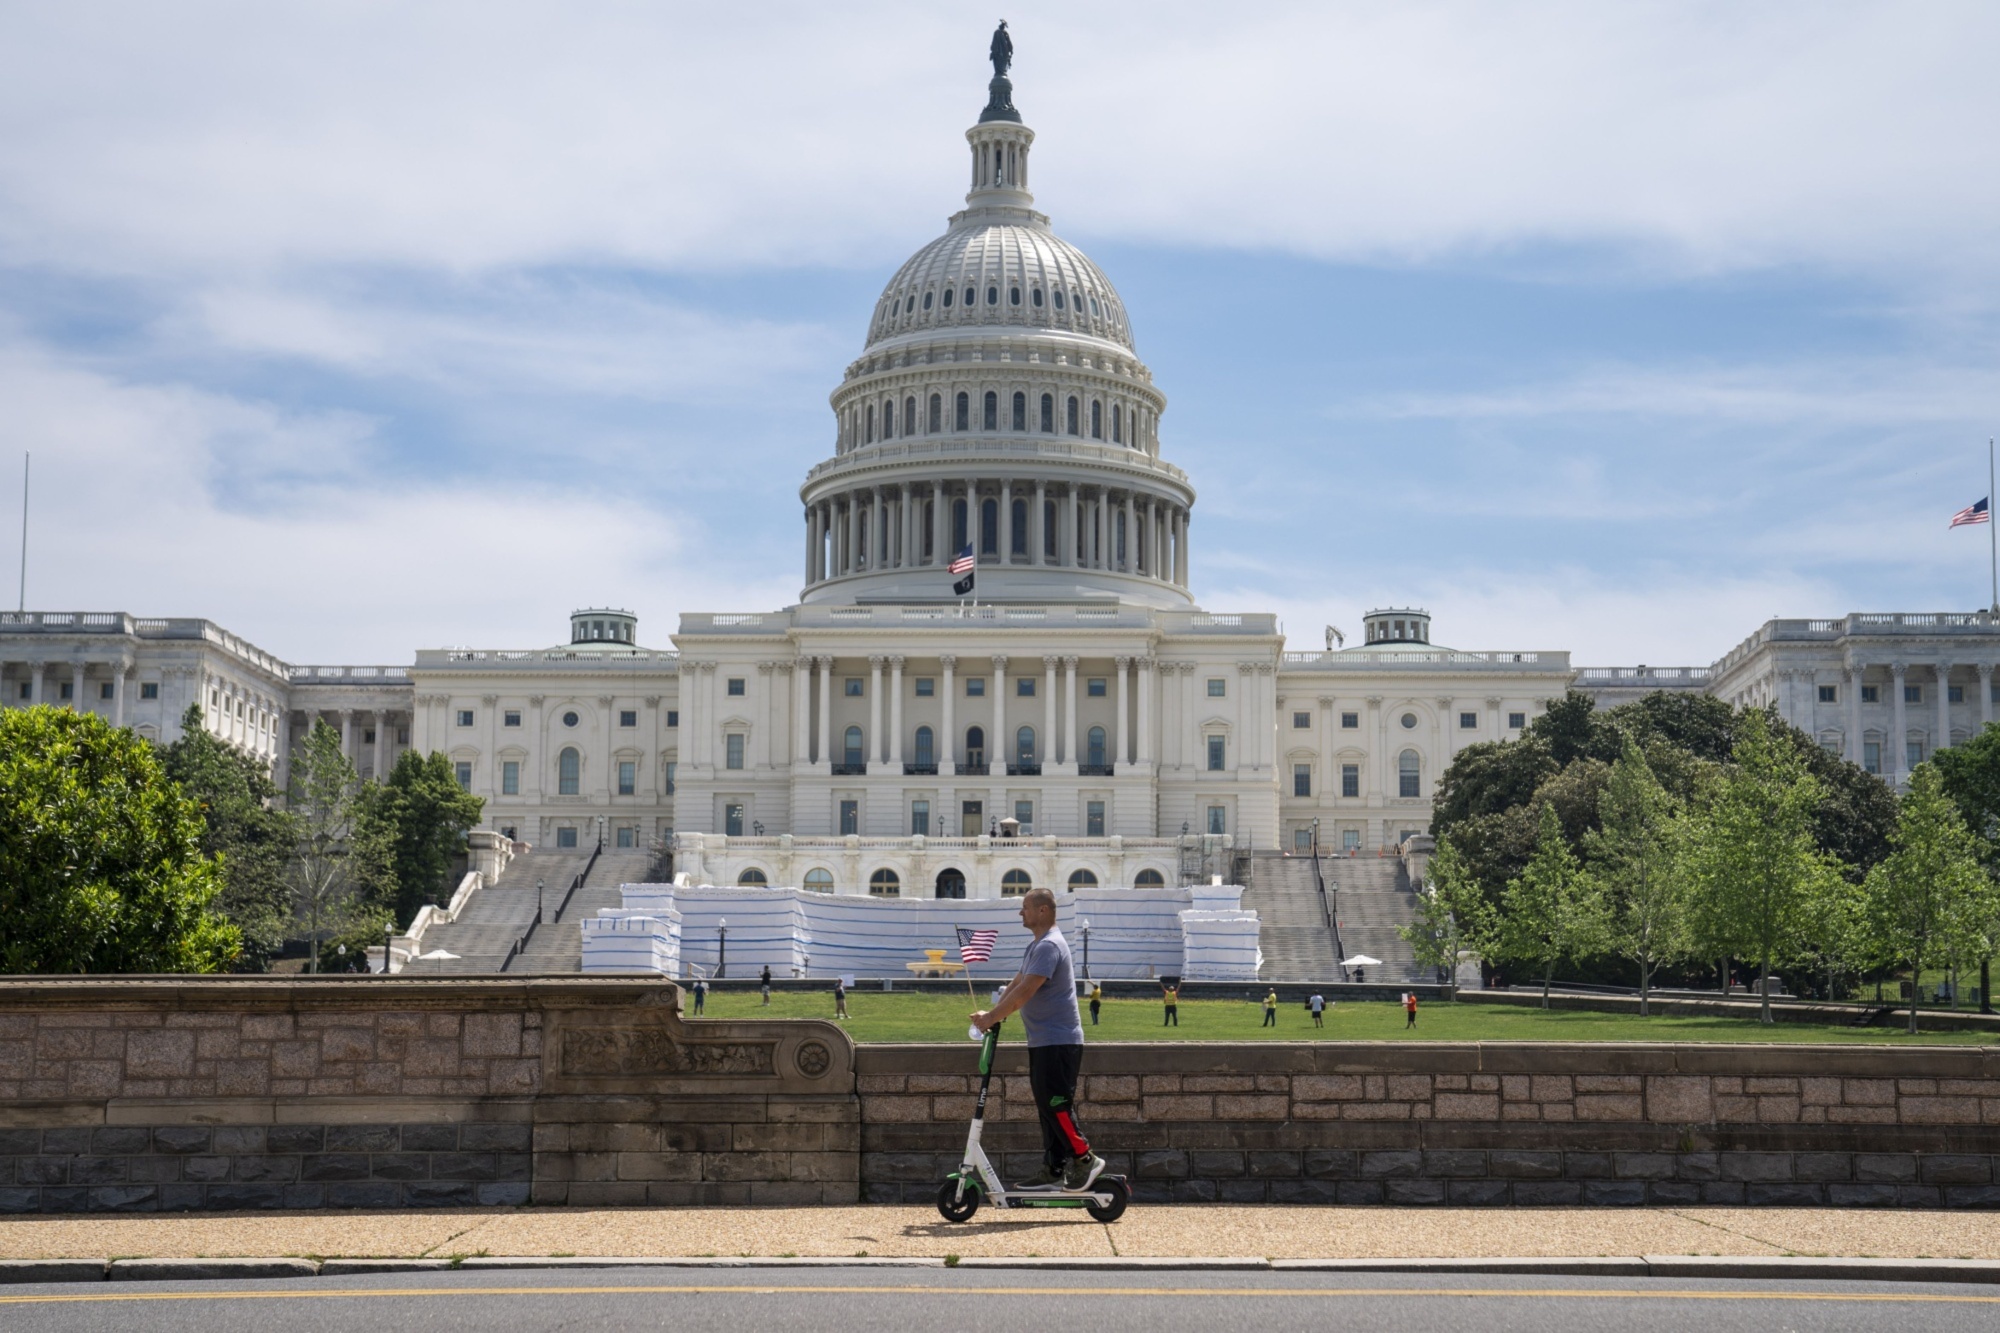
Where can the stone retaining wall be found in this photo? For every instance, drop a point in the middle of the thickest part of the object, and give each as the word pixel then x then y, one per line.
pixel 145 1094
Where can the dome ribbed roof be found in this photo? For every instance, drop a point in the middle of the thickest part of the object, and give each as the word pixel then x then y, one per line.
pixel 1016 271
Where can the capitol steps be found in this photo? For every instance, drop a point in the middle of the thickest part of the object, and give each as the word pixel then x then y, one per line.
pixel 494 918
pixel 557 944
pixel 1292 931
pixel 1373 902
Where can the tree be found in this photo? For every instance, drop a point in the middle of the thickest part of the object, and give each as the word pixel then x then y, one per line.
pixel 101 865
pixel 335 855
pixel 1450 913
pixel 236 798
pixel 1753 865
pixel 1549 912
pixel 1928 897
pixel 421 815
pixel 1632 859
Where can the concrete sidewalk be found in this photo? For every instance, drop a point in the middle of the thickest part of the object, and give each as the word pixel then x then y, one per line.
pixel 1158 1231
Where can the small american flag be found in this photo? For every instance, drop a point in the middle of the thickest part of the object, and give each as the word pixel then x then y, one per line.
pixel 962 562
pixel 1976 513
pixel 976 946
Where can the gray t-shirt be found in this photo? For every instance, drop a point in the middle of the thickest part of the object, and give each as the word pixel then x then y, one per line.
pixel 1050 1015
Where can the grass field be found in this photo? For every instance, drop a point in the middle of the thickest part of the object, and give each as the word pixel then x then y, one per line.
pixel 903 1017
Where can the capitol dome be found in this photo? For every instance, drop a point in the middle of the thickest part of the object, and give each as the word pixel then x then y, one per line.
pixel 999 404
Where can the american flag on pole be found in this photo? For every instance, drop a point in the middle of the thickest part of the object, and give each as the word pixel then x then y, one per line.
pixel 976 946
pixel 962 562
pixel 1975 513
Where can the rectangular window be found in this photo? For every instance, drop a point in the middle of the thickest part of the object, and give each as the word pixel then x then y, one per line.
pixel 1515 721
pixel 67 692
pixel 1468 721
pixel 628 838
pixel 1215 754
pixel 511 718
pixel 628 777
pixel 1952 693
pixel 1829 694
pixel 975 687
pixel 1350 721
pixel 464 772
pixel 510 778
pixel 465 717
pixel 1994 694
pixel 732 820
pixel 1914 752
pixel 402 735
pixel 1871 756
pixel 1408 782
pixel 1024 813
pixel 733 753
pixel 147 690
pixel 1350 780
pixel 1218 688
pixel 672 770
pixel 920 819
pixel 565 837
pixel 736 687
pixel 1302 721
pixel 1218 819
pixel 1302 840
pixel 673 717
pixel 1302 779
pixel 926 687
pixel 1350 840
pixel 850 817
pixel 1913 694
pixel 1870 694
pixel 1025 687
pixel 628 717
pixel 1093 819
pixel 104 689
pixel 970 813
pixel 1094 687
pixel 851 687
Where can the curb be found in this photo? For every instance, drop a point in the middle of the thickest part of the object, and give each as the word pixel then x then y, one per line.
pixel 1740 1268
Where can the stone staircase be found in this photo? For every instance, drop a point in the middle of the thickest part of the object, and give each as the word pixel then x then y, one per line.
pixel 1292 929
pixel 495 916
pixel 1373 902
pixel 557 945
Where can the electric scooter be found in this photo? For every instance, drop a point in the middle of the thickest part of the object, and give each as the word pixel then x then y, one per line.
pixel 976 1181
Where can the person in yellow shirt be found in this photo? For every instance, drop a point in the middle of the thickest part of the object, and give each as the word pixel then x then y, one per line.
pixel 1170 993
pixel 1096 1000
pixel 1271 1008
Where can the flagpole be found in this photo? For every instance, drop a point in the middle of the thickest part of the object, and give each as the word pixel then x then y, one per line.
pixel 1992 538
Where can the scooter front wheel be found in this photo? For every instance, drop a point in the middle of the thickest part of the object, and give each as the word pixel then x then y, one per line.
pixel 958 1205
pixel 1115 1209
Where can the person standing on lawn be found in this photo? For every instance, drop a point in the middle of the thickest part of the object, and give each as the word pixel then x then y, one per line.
pixel 1409 1009
pixel 767 985
pixel 1170 992
pixel 700 995
pixel 840 997
pixel 1044 992
pixel 1096 1000
pixel 1318 1006
pixel 1271 1008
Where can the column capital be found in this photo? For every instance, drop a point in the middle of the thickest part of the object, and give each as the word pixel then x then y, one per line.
pixel 875 661
pixel 1069 663
pixel 805 663
pixel 1187 668
pixel 604 701
pixel 1121 662
pixel 766 668
pixel 537 699
pixel 947 661
pixel 1246 668
pixel 896 661
pixel 999 662
pixel 783 668
pixel 652 701
pixel 489 699
pixel 1944 669
pixel 825 664
pixel 1051 661
pixel 1897 669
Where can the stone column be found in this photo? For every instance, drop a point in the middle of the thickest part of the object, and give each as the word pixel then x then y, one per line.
pixel 1104 550
pixel 1048 753
pixel 1182 519
pixel 1985 670
pixel 347 731
pixel 940 525
pixel 118 670
pixel 1130 562
pixel 382 738
pixel 874 711
pixel 802 674
pixel 1144 757
pixel 1943 707
pixel 1069 757
pixel 76 687
pixel 537 758
pixel 1038 528
pixel 850 562
pixel 1378 758
pixel 1006 533
pixel 996 744
pixel 1853 687
pixel 1898 757
pixel 767 700
pixel 1066 528
pixel 1121 756
pixel 972 517
pixel 947 750
pixel 809 547
pixel 896 714
pixel 825 756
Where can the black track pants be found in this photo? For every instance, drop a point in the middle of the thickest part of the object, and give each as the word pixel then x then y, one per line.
pixel 1052 1072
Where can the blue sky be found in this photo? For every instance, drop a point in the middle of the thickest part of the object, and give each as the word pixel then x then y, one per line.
pixel 361 328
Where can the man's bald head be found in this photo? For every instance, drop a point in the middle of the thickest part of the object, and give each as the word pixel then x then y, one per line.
pixel 1038 910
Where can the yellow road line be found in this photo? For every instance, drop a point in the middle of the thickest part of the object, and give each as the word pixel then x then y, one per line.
pixel 1233 1293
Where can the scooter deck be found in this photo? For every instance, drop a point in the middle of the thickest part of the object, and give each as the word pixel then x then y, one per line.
pixel 1048 1196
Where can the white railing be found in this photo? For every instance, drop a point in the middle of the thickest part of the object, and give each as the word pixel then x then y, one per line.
pixel 1439 659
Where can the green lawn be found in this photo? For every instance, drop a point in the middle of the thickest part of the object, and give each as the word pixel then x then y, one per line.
pixel 909 1016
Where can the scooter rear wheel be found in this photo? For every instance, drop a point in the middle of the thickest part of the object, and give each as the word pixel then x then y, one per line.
pixel 955 1205
pixel 1112 1211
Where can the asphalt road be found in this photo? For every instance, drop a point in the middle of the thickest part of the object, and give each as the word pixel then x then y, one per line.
pixel 903 1299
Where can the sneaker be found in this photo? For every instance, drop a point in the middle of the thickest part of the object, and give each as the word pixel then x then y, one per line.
pixel 1082 1172
pixel 1043 1179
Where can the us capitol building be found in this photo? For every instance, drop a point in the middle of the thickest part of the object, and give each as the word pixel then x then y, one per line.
pixel 873 737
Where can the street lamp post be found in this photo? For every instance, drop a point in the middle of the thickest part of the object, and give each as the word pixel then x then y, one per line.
pixel 721 947
pixel 1086 948
pixel 541 916
pixel 388 934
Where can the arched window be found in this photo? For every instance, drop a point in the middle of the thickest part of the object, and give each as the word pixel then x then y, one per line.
pixel 1059 300
pixel 989 527
pixel 993 296
pixel 1020 411
pixel 1117 424
pixel 926 748
pixel 910 416
pixel 1095 747
pixel 958 529
pixel 851 746
pixel 819 881
pixel 752 876
pixel 888 418
pixel 1036 298
pixel 1096 420
pixel 1082 879
pixel 989 415
pixel 885 883
pixel 969 296
pixel 962 413
pixel 1048 414
pixel 871 425
pixel 910 303
pixel 1017 536
pixel 1070 417
pixel 1024 746
pixel 567 764
pixel 1016 883
pixel 1149 879
pixel 937 410
pixel 1048 529
pixel 1409 774
pixel 927 299
pixel 975 745
pixel 1013 296
pixel 949 292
